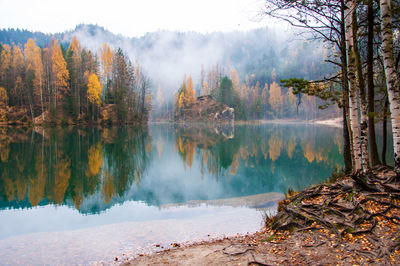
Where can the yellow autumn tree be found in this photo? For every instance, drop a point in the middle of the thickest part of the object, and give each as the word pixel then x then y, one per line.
pixel 17 93
pixel 190 97
pixel 275 98
pixel 5 64
pixel 3 104
pixel 74 57
pixel 181 97
pixel 34 66
pixel 60 74
pixel 94 90
pixel 75 48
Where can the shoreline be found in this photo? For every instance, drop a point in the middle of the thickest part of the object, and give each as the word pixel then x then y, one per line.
pixel 334 122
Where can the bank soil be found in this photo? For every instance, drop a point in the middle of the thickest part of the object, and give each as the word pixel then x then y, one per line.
pixel 355 220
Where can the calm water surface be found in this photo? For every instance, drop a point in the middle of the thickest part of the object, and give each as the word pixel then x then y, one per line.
pixel 70 196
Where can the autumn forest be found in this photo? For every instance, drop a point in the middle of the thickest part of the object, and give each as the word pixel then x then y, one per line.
pixel 54 85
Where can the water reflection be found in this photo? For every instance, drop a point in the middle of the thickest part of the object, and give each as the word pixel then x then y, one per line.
pixel 65 166
pixel 94 169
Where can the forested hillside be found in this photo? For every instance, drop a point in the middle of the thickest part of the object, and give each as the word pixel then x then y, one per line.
pixel 70 85
pixel 254 60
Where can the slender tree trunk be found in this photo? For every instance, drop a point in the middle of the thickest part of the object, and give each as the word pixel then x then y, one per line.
pixel 392 78
pixel 363 101
pixel 345 99
pixel 384 129
pixel 354 120
pixel 346 142
pixel 373 149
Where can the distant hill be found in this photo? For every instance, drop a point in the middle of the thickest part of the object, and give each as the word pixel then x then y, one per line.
pixel 9 36
pixel 168 56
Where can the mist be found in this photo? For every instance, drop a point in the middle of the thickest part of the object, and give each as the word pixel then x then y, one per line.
pixel 167 57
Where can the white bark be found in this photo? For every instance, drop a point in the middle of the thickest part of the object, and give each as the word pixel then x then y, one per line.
pixel 392 78
pixel 353 108
pixel 362 96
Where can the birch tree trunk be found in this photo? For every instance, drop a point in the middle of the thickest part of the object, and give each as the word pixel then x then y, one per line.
pixel 347 146
pixel 373 149
pixel 354 120
pixel 392 78
pixel 363 100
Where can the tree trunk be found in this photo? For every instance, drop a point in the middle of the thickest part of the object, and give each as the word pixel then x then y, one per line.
pixel 347 152
pixel 384 129
pixel 373 149
pixel 354 120
pixel 363 101
pixel 392 78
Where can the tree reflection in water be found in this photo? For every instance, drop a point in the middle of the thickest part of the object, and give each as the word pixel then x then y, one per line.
pixel 111 165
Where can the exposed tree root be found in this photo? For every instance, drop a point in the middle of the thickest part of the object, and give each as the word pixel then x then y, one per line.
pixel 357 205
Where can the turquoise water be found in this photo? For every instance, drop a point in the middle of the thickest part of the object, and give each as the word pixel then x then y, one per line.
pixel 93 194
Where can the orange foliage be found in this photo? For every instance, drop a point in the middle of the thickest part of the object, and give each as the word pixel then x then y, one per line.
pixel 108 188
pixel 187 149
pixel 36 188
pixel 21 185
pixel 61 179
pixel 95 158
pixel 5 61
pixel 275 146
pixel 9 187
pixel 204 156
pixel 59 69
pixel 94 90
pixel 33 57
pixel 77 195
pixel 191 93
pixel 4 151
pixel 275 97
pixel 106 59
pixel 311 153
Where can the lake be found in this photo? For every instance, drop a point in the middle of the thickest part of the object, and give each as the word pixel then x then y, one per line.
pixel 81 196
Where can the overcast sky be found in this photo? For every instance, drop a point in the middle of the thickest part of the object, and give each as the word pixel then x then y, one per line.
pixel 131 17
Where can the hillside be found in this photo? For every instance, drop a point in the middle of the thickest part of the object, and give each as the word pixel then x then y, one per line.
pixel 254 52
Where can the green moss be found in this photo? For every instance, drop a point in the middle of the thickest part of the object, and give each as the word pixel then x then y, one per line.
pixel 268 239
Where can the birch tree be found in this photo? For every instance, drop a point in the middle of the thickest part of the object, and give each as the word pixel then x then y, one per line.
pixel 392 77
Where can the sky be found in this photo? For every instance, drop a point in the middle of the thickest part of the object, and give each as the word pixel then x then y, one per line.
pixel 131 18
